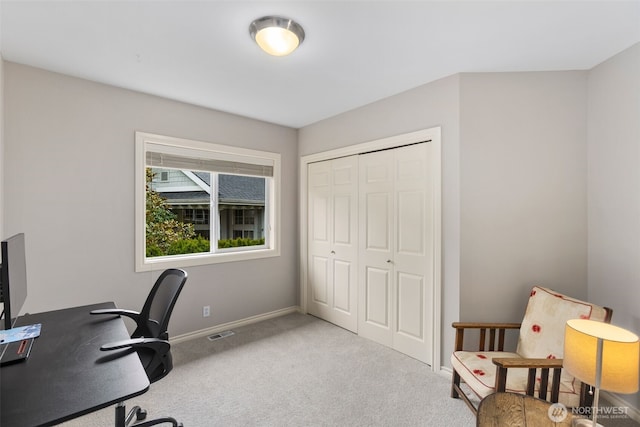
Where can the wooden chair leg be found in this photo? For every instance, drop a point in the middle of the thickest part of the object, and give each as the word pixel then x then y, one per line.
pixel 455 384
pixel 458 393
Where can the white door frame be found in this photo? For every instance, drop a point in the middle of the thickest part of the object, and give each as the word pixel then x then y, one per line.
pixel 431 134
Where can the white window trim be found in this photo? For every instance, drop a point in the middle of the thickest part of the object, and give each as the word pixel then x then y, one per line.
pixel 180 145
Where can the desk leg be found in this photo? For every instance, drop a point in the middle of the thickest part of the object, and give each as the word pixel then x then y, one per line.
pixel 121 415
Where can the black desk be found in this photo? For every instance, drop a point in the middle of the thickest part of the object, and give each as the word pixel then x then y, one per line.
pixel 67 375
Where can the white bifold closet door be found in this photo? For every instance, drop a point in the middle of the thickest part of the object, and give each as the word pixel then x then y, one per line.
pixel 396 243
pixel 333 241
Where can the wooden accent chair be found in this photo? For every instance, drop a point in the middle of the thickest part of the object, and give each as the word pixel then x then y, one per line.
pixel 540 349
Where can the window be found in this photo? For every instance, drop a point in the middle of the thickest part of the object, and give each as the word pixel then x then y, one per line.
pixel 200 203
pixel 245 216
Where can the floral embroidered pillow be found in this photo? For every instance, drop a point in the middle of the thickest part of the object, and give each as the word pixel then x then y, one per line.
pixel 542 330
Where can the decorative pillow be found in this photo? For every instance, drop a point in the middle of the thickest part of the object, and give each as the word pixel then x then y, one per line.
pixel 542 330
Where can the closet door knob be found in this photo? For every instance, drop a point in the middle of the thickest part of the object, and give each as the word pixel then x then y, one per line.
pixel 333 252
pixel 389 261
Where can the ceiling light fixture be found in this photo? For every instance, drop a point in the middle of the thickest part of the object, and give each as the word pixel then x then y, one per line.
pixel 276 35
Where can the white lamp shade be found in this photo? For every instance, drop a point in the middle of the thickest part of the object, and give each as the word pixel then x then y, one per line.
pixel 620 355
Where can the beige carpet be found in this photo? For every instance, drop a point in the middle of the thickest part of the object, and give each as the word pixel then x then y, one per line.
pixel 296 370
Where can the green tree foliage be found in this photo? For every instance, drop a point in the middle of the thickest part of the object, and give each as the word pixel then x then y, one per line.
pixel 189 246
pixel 165 234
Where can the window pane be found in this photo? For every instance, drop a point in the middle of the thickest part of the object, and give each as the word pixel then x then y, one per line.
pixel 241 206
pixel 177 212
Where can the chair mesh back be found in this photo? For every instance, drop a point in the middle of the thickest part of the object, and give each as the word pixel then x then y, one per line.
pixel 160 302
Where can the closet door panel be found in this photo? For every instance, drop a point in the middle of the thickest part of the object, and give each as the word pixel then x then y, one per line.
pixel 320 218
pixel 319 280
pixel 332 241
pixel 377 307
pixel 411 222
pixel 343 284
pixel 395 233
pixel 378 229
pixel 414 279
pixel 410 305
pixel 375 311
pixel 375 280
pixel 344 254
pixel 342 206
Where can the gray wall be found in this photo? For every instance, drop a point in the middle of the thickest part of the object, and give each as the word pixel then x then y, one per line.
pixel 522 189
pixel 69 185
pixel 614 189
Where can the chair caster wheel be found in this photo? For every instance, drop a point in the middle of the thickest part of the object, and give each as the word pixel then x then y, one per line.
pixel 141 414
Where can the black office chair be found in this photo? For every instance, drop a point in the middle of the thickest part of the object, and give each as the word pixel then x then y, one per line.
pixel 150 339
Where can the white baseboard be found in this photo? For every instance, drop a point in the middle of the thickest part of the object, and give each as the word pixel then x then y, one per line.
pixel 236 324
pixel 445 371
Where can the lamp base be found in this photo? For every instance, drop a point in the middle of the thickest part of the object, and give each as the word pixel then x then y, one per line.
pixel 584 422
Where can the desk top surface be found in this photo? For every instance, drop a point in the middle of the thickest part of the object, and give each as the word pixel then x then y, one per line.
pixel 67 375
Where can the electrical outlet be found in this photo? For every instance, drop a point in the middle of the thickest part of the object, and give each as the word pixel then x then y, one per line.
pixel 206 311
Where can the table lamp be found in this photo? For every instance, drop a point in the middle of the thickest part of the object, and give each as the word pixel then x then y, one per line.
pixel 602 355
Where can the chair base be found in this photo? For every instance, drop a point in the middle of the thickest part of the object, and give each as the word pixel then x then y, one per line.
pixel 586 394
pixel 123 419
pixel 458 393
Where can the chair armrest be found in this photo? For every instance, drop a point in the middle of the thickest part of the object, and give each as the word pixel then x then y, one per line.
pixel 116 345
pixel 483 326
pixel 127 313
pixel 503 364
pixel 521 362
pixel 158 345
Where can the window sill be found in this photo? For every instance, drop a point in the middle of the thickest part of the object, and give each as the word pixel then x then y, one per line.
pixel 192 260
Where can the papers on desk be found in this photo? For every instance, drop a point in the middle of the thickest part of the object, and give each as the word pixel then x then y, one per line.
pixel 20 333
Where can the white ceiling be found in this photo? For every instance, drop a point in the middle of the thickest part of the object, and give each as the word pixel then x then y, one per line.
pixel 355 52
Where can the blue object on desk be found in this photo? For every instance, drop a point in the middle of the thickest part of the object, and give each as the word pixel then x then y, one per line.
pixel 20 333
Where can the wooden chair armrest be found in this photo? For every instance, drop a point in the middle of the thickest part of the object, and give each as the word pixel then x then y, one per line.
pixel 521 362
pixel 485 325
pixel 504 363
pixel 493 327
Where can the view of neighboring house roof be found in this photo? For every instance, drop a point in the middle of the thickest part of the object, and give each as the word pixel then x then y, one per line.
pixel 204 176
pixel 240 189
pixel 232 189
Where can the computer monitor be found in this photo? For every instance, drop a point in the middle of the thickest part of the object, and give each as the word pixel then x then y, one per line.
pixel 14 278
